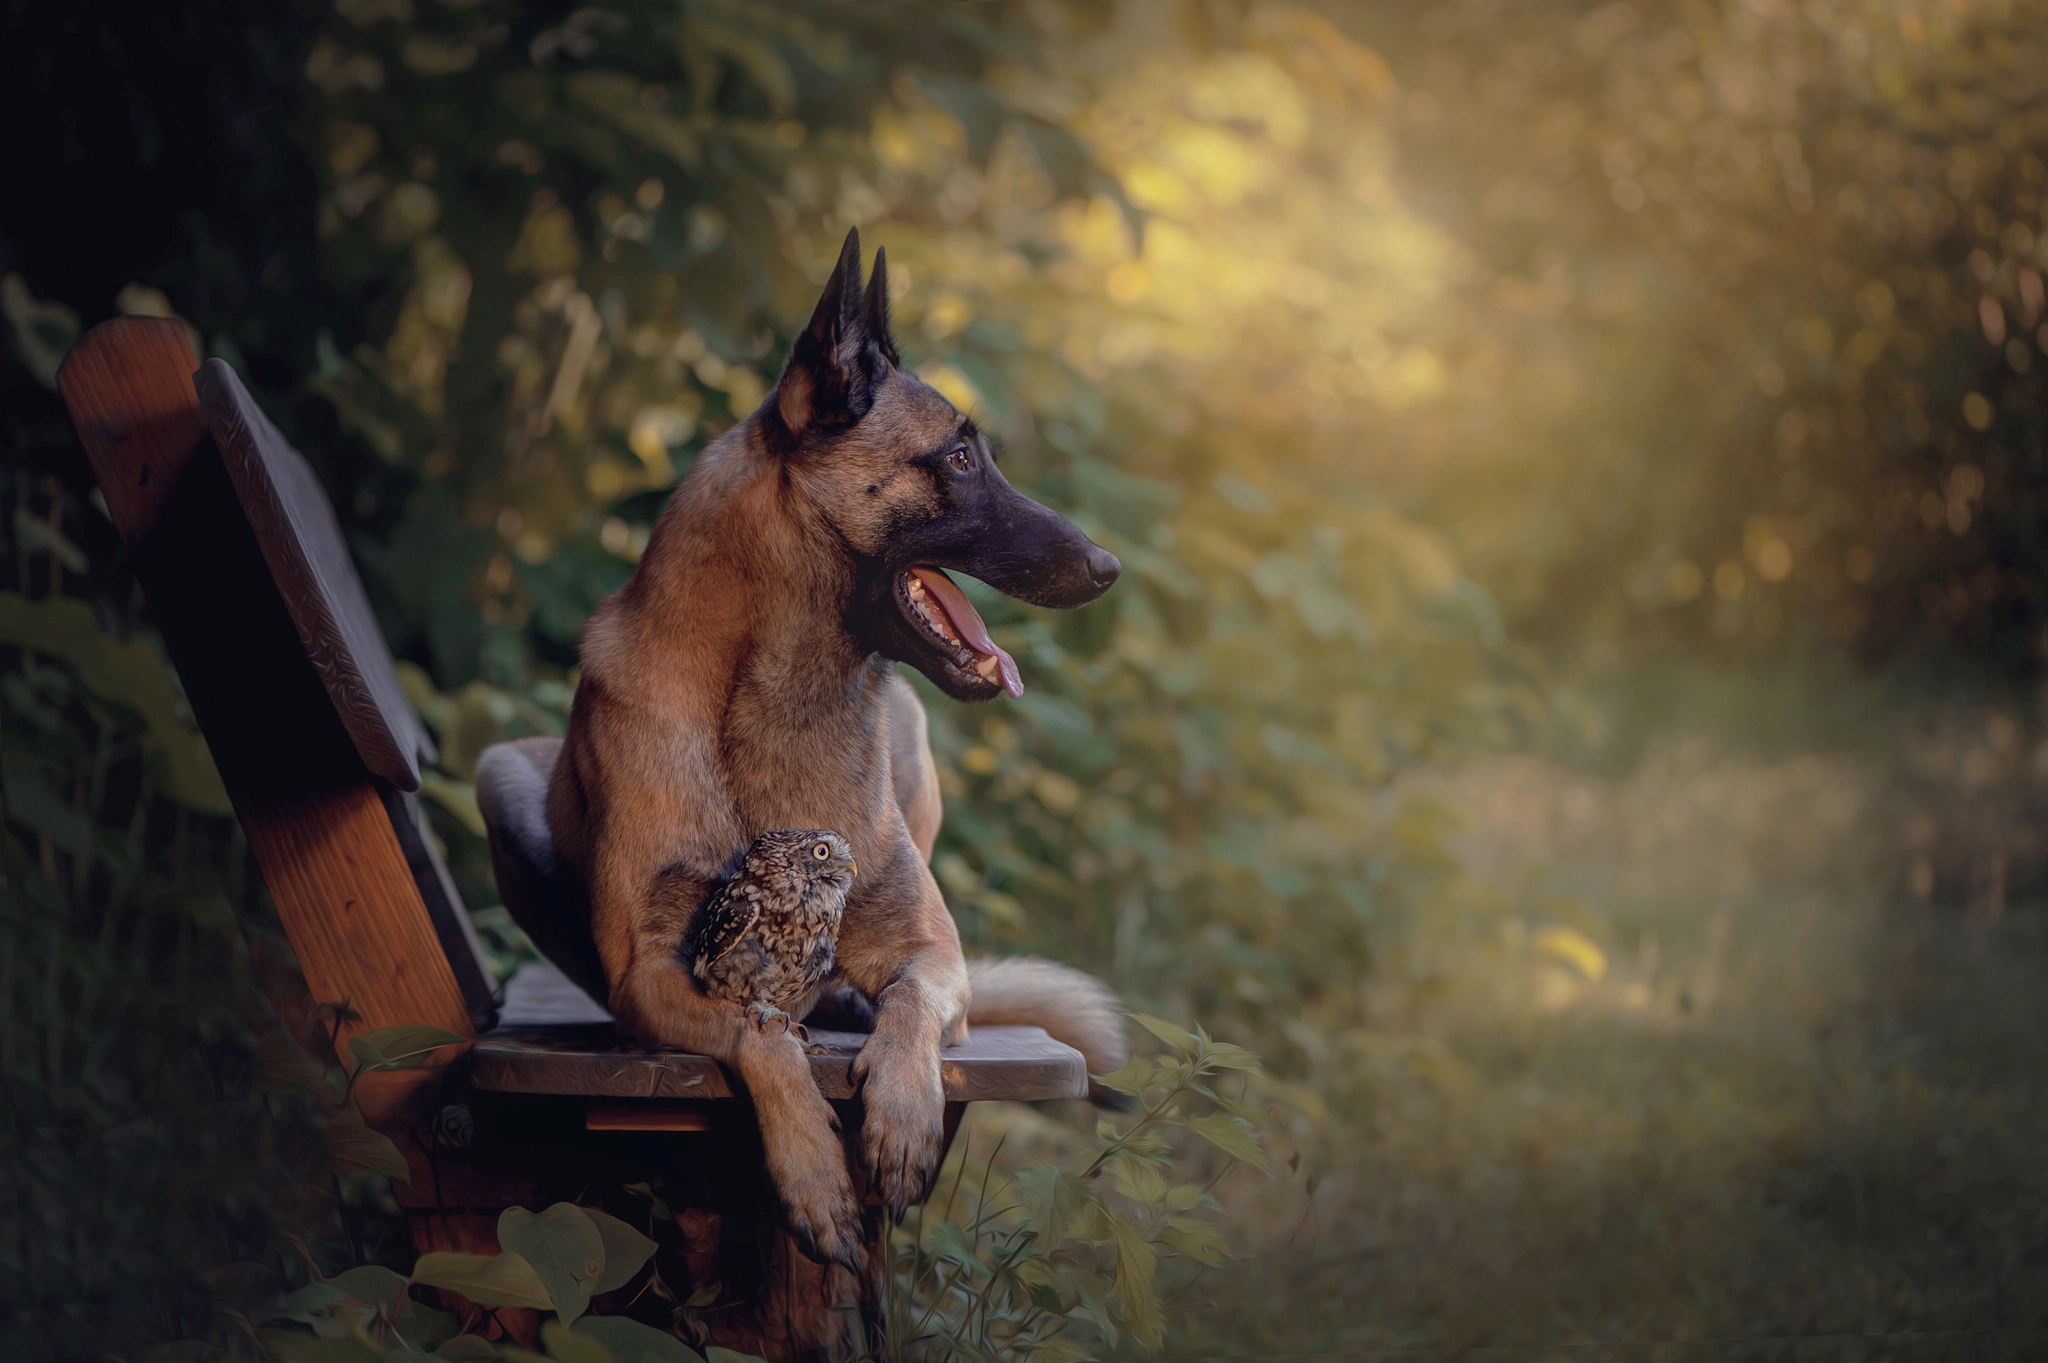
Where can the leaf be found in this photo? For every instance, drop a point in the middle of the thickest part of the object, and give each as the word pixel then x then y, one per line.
pixel 467 1347
pixel 353 1148
pixel 1574 948
pixel 373 1285
pixel 38 535
pixel 304 1303
pixel 568 1346
pixel 1233 1136
pixel 1050 1199
pixel 1137 1271
pixel 1184 1042
pixel 565 1249
pixel 616 96
pixel 486 1279
pixel 1138 1180
pixel 1196 1238
pixel 660 1204
pixel 402 1047
pixel 130 673
pixel 294 1347
pixel 948 1241
pixel 282 1066
pixel 423 1326
pixel 719 1354
pixel 631 1342
pixel 1222 1055
pixel 1134 1076
pixel 457 797
pixel 33 801
pixel 625 1251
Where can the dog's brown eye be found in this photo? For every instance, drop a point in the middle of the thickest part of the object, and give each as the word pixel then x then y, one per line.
pixel 821 851
pixel 959 460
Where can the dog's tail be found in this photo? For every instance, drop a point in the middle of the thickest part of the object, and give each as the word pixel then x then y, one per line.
pixel 1074 1007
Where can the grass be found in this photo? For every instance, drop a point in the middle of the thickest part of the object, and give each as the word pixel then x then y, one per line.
pixel 1719 1056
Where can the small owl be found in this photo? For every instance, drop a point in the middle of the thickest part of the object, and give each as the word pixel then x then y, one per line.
pixel 765 938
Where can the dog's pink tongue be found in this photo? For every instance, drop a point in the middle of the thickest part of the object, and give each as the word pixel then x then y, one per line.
pixel 967 621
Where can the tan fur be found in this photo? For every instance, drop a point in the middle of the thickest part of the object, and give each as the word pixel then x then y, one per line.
pixel 723 695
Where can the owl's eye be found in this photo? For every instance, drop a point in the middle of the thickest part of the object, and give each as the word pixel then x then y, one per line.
pixel 822 850
pixel 959 459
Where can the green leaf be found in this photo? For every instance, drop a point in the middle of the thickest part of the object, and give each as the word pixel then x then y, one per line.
pixel 1137 1272
pixel 486 1279
pixel 1134 1076
pixel 373 1285
pixel 1233 1136
pixel 282 1066
pixel 625 1250
pixel 1198 1239
pixel 1050 1199
pixel 464 1347
pixel 423 1326
pixel 1222 1055
pixel 567 1346
pixel 565 1249
pixel 33 801
pixel 655 1199
pixel 1139 1180
pixel 131 673
pixel 403 1047
pixel 304 1303
pixel 294 1347
pixel 631 1342
pixel 1184 1042
pixel 948 1241
pixel 353 1148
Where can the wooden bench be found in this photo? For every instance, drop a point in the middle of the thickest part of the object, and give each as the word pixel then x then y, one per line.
pixel 274 640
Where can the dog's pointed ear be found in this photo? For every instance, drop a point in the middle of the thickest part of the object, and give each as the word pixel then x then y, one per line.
pixel 835 366
pixel 878 308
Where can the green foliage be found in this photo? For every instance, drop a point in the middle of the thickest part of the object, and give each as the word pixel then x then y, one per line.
pixel 142 1138
pixel 552 1261
pixel 592 241
pixel 1066 1263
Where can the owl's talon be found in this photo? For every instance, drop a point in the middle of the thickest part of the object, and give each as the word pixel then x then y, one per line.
pixel 765 1014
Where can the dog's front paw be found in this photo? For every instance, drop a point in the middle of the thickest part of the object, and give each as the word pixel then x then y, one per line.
pixel 903 1133
pixel 817 1198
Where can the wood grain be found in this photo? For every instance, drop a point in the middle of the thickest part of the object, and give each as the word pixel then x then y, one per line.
pixel 313 813
pixel 128 384
pixel 1020 1064
pixel 349 904
pixel 309 560
pixel 645 1117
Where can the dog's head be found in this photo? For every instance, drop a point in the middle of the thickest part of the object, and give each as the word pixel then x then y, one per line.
pixel 913 490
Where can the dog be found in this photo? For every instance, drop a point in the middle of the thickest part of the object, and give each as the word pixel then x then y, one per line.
pixel 744 679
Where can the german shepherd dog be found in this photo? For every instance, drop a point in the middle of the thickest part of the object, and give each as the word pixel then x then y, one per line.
pixel 743 680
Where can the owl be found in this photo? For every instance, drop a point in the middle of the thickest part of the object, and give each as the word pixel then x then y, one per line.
pixel 765 938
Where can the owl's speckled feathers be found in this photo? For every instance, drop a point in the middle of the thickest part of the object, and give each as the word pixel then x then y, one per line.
pixel 766 937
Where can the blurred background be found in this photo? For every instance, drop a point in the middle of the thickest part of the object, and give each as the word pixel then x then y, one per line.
pixel 1573 704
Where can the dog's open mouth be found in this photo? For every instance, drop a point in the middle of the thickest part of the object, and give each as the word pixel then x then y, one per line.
pixel 936 602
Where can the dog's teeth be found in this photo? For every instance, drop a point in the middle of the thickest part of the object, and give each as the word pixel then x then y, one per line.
pixel 987 668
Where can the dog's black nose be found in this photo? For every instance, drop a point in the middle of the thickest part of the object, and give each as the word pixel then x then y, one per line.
pixel 1102 567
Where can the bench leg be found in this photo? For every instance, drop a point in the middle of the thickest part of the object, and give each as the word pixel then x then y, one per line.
pixel 724 1227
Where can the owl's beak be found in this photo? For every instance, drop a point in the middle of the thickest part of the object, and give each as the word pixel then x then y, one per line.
pixel 853 868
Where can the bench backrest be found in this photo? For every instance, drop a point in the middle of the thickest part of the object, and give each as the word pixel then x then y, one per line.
pixel 275 643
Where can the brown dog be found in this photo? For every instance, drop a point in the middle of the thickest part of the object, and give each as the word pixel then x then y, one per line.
pixel 742 681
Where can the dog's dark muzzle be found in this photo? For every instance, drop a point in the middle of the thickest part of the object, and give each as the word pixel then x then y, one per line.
pixel 1035 554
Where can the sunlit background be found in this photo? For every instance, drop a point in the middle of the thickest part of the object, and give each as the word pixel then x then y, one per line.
pixel 1571 705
